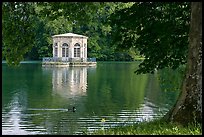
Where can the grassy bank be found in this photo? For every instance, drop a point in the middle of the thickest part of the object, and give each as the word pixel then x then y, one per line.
pixel 156 127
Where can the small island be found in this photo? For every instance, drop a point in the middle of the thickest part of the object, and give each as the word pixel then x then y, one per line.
pixel 69 49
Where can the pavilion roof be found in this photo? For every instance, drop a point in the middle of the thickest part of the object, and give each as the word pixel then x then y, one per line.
pixel 69 35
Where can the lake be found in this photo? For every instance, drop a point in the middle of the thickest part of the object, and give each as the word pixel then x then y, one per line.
pixel 74 100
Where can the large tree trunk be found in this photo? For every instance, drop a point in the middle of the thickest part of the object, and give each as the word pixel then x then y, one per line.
pixel 188 108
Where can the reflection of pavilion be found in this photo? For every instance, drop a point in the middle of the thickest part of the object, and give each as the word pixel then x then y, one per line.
pixel 69 81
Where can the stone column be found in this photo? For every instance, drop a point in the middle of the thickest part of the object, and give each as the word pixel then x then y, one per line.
pixel 53 48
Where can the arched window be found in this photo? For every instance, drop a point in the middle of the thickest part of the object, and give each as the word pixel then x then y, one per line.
pixel 77 45
pixel 65 50
pixel 77 50
pixel 65 45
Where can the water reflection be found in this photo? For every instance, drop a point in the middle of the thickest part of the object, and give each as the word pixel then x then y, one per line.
pixel 13 117
pixel 69 81
pixel 35 99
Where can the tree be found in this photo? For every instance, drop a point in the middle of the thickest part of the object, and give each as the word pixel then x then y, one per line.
pixel 88 19
pixel 17 30
pixel 188 108
pixel 47 19
pixel 160 32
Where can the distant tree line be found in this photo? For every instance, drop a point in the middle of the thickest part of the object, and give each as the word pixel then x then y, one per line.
pixel 28 27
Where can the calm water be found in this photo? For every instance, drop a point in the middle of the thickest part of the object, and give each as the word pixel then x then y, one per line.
pixel 39 100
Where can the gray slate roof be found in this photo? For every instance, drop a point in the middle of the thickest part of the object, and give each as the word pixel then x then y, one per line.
pixel 69 35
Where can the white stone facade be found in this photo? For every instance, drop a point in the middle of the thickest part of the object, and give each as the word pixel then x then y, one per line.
pixel 70 45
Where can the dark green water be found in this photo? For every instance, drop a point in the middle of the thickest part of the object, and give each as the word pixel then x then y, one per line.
pixel 35 100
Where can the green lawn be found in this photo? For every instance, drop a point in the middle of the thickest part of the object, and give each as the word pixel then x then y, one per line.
pixel 156 127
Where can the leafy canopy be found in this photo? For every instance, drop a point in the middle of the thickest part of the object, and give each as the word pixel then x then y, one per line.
pixel 17 30
pixel 159 30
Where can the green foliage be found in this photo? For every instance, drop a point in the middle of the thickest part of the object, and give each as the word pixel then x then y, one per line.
pixel 171 80
pixel 43 19
pixel 89 19
pixel 158 30
pixel 41 47
pixel 77 12
pixel 17 30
